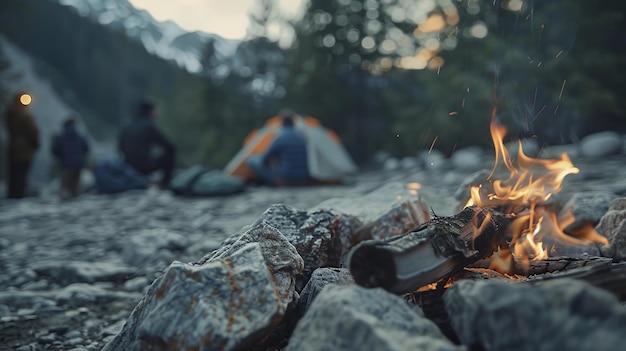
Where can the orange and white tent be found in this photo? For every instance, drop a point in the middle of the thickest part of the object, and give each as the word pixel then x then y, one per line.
pixel 328 159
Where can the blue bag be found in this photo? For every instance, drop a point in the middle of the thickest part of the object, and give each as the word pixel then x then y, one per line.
pixel 114 176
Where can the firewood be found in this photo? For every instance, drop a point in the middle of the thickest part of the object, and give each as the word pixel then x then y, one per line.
pixel 560 264
pixel 610 277
pixel 525 268
pixel 430 253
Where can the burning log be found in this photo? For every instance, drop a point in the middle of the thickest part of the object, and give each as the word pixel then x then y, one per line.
pixel 430 253
pixel 607 276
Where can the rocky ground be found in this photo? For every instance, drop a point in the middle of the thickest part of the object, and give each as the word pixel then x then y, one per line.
pixel 72 271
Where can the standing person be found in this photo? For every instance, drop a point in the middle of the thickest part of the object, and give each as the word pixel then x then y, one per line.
pixel 23 143
pixel 71 149
pixel 285 161
pixel 137 141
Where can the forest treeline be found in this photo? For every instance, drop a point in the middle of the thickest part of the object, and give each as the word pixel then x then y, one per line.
pixel 385 74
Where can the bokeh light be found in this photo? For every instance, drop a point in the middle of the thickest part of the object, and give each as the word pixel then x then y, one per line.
pixel 25 99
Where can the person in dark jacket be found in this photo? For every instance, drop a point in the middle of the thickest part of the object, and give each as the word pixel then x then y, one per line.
pixel 285 161
pixel 70 149
pixel 138 141
pixel 23 144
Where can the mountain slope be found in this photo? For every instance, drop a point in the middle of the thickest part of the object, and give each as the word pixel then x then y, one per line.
pixel 165 39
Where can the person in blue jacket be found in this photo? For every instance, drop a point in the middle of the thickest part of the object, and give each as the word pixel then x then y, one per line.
pixel 70 149
pixel 138 140
pixel 285 161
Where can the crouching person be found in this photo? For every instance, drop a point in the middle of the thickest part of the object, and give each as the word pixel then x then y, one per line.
pixel 285 161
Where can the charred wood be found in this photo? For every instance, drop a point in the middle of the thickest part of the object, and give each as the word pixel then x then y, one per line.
pixel 610 277
pixel 434 251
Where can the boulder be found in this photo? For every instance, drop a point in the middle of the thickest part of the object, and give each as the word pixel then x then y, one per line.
pixel 355 318
pixel 587 207
pixel 462 193
pixel 601 144
pixel 321 236
pixel 229 300
pixel 319 279
pixel 400 219
pixel 613 226
pixel 561 314
pixel 468 159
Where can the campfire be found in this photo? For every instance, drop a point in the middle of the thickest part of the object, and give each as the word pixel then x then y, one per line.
pixel 523 196
pixel 506 223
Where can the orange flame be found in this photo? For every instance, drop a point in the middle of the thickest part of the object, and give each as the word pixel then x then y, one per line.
pixel 523 194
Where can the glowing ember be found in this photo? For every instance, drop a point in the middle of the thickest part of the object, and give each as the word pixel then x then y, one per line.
pixel 522 195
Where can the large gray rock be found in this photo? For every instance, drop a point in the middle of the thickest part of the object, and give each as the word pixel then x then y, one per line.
pixel 468 159
pixel 562 314
pixel 229 300
pixel 601 144
pixel 587 207
pixel 462 193
pixel 281 258
pixel 356 318
pixel 400 219
pixel 319 279
pixel 618 204
pixel 321 237
pixel 613 227
pixel 618 242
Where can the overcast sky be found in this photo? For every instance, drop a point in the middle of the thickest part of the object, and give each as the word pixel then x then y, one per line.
pixel 228 18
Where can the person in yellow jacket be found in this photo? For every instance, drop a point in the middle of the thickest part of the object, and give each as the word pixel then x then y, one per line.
pixel 23 143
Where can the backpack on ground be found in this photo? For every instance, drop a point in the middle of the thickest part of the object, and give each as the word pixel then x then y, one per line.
pixel 114 176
